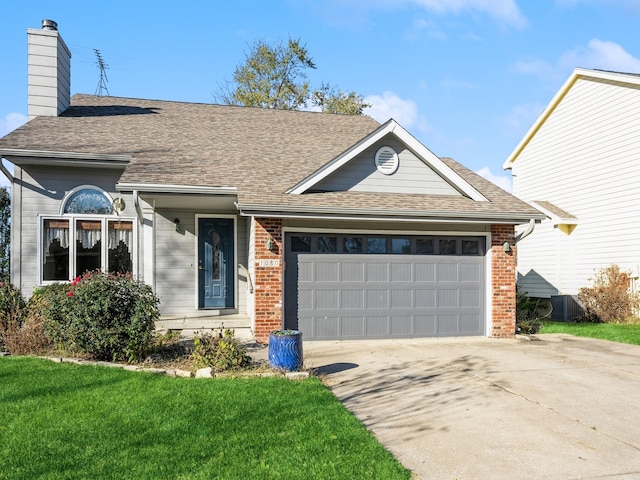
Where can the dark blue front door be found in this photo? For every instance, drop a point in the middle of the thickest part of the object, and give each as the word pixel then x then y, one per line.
pixel 215 263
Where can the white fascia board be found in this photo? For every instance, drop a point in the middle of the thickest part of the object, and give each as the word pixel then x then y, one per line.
pixel 286 211
pixel 557 98
pixel 188 189
pixel 39 157
pixel 391 126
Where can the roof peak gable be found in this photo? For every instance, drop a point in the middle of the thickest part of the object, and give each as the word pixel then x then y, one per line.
pixel 389 127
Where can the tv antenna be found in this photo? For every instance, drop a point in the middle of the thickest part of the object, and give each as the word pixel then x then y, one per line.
pixel 101 89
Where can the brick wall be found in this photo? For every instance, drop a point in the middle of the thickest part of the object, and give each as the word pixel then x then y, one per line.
pixel 268 278
pixel 503 281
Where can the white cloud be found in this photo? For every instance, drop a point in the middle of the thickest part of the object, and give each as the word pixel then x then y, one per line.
pixel 390 105
pixel 10 122
pixel 354 12
pixel 603 55
pixel 503 181
pixel 505 11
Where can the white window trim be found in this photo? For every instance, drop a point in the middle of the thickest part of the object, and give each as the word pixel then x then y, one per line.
pixel 83 187
pixel 72 218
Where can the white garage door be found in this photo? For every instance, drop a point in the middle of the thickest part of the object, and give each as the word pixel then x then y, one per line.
pixel 384 286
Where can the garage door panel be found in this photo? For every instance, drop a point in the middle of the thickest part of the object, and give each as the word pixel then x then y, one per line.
pixel 402 299
pixel 425 272
pixel 352 272
pixel 327 299
pixel 376 299
pixel 447 324
pixel 352 299
pixel 342 295
pixel 470 299
pixel 425 325
pixel 448 298
pixel 402 272
pixel 470 324
pixel 401 326
pixel 471 273
pixel 377 272
pixel 425 298
pixel 352 326
pixel 326 272
pixel 376 327
pixel 448 272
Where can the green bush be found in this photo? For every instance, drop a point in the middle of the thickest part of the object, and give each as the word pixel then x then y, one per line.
pixel 221 351
pixel 105 316
pixel 12 310
pixel 529 312
pixel 610 299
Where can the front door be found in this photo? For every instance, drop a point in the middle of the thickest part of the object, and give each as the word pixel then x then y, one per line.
pixel 215 263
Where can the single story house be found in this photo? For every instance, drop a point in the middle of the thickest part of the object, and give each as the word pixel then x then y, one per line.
pixel 332 224
pixel 578 164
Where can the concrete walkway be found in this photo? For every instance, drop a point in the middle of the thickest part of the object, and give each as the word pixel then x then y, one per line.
pixel 478 408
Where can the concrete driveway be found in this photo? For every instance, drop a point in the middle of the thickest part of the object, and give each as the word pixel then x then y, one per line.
pixel 477 408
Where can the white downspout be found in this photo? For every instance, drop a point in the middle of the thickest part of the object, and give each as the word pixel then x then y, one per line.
pixel 528 231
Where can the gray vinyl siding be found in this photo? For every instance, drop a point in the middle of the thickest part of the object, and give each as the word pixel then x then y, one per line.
pixel 412 176
pixel 175 258
pixel 40 190
pixel 584 159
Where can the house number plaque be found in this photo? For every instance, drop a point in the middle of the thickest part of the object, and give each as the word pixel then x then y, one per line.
pixel 265 262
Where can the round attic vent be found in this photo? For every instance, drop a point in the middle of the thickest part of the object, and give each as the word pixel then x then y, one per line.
pixel 387 160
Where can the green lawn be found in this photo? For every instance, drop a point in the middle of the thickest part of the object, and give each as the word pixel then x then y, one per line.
pixel 66 421
pixel 623 333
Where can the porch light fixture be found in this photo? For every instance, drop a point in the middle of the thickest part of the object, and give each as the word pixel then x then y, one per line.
pixel 177 222
pixel 270 243
pixel 506 246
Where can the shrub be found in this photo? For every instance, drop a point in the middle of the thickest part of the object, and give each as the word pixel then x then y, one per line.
pixel 221 351
pixel 529 312
pixel 12 310
pixel 610 299
pixel 108 317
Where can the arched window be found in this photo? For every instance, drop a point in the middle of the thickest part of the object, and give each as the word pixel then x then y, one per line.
pixel 86 236
pixel 88 201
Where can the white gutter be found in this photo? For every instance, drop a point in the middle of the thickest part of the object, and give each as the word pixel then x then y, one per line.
pixel 71 157
pixel 188 189
pixel 283 211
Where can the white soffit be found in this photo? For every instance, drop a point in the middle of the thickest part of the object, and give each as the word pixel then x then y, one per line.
pixel 391 126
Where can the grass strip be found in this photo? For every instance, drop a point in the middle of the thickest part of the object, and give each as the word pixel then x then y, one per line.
pixel 66 421
pixel 615 332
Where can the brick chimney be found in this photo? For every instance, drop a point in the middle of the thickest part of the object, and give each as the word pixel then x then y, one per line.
pixel 49 76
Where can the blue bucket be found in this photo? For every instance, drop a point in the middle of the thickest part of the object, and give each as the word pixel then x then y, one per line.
pixel 285 350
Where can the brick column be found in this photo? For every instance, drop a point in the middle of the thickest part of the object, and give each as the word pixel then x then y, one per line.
pixel 268 277
pixel 503 281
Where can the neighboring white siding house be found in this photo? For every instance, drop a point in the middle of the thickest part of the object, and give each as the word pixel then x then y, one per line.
pixel 579 164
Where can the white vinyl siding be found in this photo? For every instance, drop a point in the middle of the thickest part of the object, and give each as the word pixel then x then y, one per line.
pixel 412 176
pixel 585 160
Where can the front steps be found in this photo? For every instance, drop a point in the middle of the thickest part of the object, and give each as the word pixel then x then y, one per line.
pixel 206 322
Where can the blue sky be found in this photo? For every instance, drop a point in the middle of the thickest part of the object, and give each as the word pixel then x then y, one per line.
pixel 466 77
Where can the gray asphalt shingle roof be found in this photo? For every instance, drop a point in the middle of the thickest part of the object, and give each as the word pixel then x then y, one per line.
pixel 262 152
